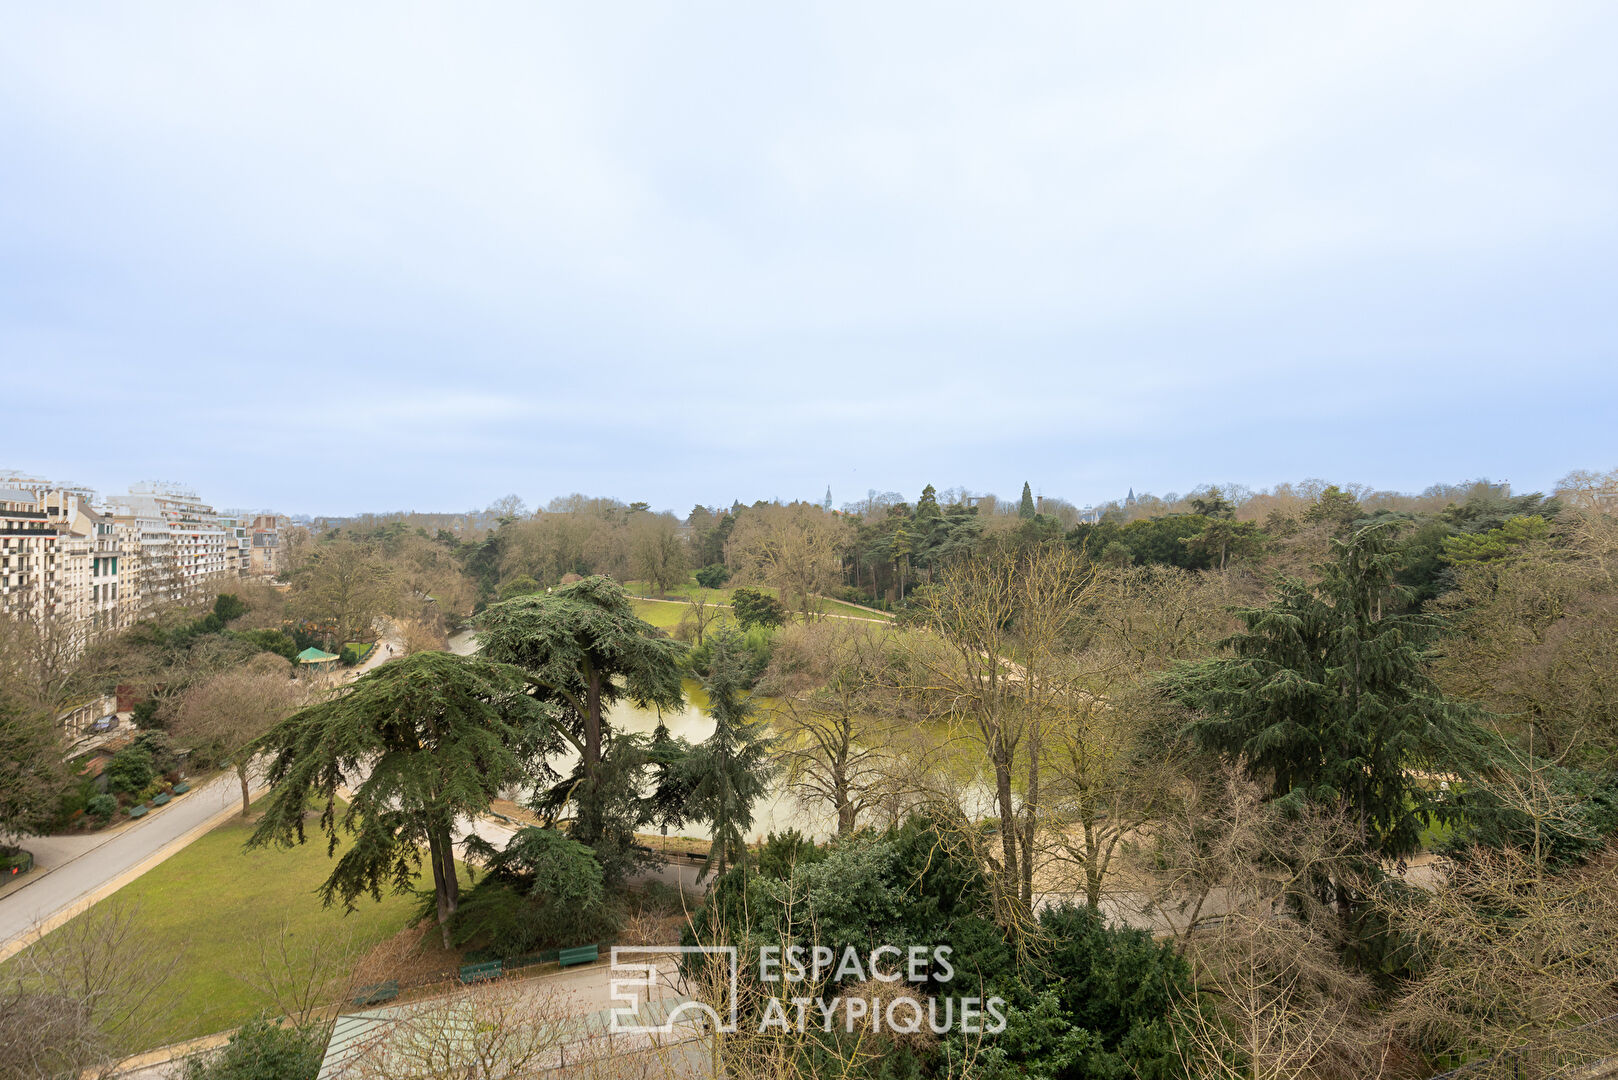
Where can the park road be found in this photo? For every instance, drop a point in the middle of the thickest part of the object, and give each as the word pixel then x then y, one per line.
pixel 86 872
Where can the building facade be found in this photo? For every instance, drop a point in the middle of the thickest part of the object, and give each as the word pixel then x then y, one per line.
pixel 183 548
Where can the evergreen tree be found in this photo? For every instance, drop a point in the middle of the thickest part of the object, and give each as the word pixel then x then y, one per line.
pixel 584 649
pixel 435 736
pixel 1327 696
pixel 1025 509
pixel 731 770
pixel 927 505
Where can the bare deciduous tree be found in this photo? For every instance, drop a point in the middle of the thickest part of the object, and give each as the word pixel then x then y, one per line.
pixel 657 554
pixel 838 728
pixel 302 973
pixel 698 616
pixel 496 1029
pixel 1239 881
pixel 82 996
pixel 228 711
pixel 798 549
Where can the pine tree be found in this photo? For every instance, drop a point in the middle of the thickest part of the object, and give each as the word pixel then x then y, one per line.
pixel 1025 509
pixel 1328 698
pixel 731 770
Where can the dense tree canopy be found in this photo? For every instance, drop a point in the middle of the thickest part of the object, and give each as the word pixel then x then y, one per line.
pixel 421 741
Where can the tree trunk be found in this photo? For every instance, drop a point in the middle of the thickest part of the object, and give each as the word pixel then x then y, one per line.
pixel 1008 824
pixel 241 774
pixel 452 881
pixel 1030 815
pixel 1092 879
pixel 592 723
pixel 440 885
pixel 845 810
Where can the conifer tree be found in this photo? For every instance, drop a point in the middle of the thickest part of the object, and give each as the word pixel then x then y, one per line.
pixel 1025 509
pixel 731 770
pixel 435 738
pixel 583 649
pixel 1327 697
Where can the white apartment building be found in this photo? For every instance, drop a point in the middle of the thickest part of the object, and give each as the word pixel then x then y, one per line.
pixel 183 547
pixel 62 559
pixel 28 545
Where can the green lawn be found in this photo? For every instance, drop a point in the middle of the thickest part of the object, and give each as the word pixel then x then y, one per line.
pixel 213 901
pixel 722 596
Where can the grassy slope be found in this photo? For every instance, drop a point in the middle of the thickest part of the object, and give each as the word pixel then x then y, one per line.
pixel 212 901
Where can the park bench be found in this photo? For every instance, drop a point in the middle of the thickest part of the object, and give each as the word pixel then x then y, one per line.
pixel 583 954
pixel 160 799
pixel 475 973
pixel 377 993
pixel 138 810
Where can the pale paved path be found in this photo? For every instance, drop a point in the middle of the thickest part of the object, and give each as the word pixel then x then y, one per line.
pixel 84 865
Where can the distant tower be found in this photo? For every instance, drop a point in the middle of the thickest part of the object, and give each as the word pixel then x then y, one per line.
pixel 1129 500
pixel 827 503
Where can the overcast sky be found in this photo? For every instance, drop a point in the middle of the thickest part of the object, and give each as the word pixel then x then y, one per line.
pixel 331 258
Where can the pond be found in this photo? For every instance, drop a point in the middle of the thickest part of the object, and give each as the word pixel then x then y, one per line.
pixel 776 812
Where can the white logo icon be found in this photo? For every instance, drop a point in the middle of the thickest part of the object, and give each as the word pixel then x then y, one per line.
pixel 645 1011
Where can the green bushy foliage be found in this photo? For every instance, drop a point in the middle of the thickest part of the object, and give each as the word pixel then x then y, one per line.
pixel 101 806
pixel 754 608
pixel 130 770
pixel 713 576
pixel 262 1050
pixel 757 646
pixel 782 852
pixel 543 890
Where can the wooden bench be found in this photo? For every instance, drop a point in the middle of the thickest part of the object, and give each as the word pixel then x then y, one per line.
pixel 377 993
pixel 583 954
pixel 476 973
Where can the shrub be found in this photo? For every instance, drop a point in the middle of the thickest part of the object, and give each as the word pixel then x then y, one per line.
pixel 753 608
pixel 783 851
pixel 159 746
pixel 758 644
pixel 130 770
pixel 713 576
pixel 102 807
pixel 521 585
pixel 262 1050
pixel 144 714
pixel 228 606
pixel 544 889
pixel 270 641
